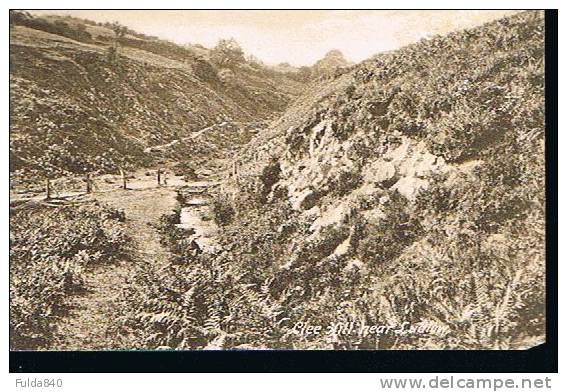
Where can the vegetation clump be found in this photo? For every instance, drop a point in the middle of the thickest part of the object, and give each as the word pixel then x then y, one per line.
pixel 50 251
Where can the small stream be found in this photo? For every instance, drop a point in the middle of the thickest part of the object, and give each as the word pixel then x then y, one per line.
pixel 197 214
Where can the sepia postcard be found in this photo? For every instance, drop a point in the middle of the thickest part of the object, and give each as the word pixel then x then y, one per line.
pixel 277 180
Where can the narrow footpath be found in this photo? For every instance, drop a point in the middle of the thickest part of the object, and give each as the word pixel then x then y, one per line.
pixel 92 314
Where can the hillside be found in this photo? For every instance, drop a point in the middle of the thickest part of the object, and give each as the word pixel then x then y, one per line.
pixel 86 98
pixel 408 190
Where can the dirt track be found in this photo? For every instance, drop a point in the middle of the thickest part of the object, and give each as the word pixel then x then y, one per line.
pixel 92 315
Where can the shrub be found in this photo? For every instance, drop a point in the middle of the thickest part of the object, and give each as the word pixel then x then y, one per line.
pixel 346 182
pixel 379 242
pixel 223 211
pixel 270 176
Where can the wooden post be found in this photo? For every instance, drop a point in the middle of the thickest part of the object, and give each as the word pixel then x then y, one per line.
pixel 159 176
pixel 235 171
pixel 47 189
pixel 123 175
pixel 89 183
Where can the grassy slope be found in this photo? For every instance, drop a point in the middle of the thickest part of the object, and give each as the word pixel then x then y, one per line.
pixel 71 107
pixel 409 190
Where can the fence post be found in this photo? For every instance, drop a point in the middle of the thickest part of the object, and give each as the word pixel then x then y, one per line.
pixel 123 175
pixel 89 183
pixel 159 176
pixel 235 172
pixel 47 189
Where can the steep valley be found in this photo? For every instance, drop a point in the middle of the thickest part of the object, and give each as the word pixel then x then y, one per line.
pixel 408 189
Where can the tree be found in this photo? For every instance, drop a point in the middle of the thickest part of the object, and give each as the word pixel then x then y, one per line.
pixel 119 30
pixel 227 53
pixel 254 61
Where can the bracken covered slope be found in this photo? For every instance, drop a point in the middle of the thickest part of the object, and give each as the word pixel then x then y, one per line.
pixel 75 106
pixel 407 192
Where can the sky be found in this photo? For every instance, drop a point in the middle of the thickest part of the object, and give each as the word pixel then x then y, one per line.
pixel 297 37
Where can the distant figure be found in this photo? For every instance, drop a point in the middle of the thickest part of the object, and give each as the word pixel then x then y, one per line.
pixel 159 176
